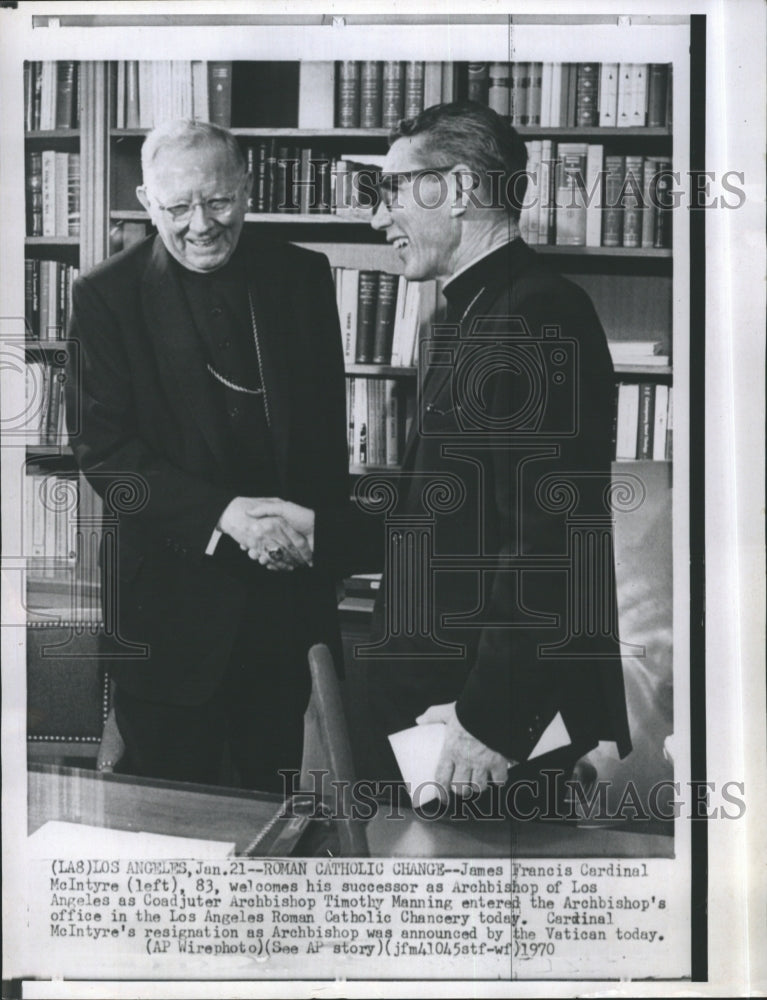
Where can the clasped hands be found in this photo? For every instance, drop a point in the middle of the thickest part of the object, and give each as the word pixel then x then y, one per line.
pixel 276 533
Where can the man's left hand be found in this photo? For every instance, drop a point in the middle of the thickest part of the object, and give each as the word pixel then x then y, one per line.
pixel 464 762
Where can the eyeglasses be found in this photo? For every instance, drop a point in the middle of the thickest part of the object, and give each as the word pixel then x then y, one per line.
pixel 389 181
pixel 219 207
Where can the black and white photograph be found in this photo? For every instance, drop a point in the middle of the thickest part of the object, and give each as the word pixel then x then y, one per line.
pixel 382 442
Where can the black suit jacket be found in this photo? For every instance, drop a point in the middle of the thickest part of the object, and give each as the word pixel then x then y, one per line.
pixel 508 470
pixel 149 435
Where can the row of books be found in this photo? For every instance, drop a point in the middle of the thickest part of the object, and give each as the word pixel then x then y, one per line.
pixel 53 193
pixel 376 421
pixel 375 94
pixel 578 196
pixel 51 95
pixel 567 95
pixel 45 404
pixel 305 179
pixel 146 93
pixel 381 315
pixel 49 528
pixel 644 422
pixel 47 298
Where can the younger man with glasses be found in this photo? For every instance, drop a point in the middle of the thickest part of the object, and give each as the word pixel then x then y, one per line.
pixel 500 621
pixel 210 373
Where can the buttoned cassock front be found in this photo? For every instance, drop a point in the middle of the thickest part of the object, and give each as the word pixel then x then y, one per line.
pixel 145 411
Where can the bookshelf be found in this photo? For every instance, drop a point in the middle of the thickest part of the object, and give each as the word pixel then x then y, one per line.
pixel 630 286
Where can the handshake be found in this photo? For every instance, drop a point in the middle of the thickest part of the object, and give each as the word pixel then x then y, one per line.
pixel 277 533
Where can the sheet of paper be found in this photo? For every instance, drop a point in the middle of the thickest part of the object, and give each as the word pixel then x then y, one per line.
pixel 59 839
pixel 554 737
pixel 417 751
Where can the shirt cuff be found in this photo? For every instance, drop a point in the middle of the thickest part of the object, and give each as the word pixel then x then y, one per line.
pixel 213 542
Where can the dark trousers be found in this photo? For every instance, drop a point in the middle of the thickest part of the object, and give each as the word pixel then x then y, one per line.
pixel 254 720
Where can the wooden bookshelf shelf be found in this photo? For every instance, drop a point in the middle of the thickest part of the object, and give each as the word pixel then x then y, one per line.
pixel 651 371
pixel 526 131
pixel 381 371
pixel 362 470
pixel 591 132
pixel 308 134
pixel 650 253
pixel 46 345
pixel 49 451
pixel 52 134
pixel 51 241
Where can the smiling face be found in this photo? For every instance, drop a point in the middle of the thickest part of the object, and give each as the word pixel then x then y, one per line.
pixel 418 215
pixel 194 175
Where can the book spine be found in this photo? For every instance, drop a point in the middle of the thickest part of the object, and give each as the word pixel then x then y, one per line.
pixel 286 160
pixel 392 418
pixel 612 210
pixel 30 320
pixel 571 207
pixel 432 83
pixel 384 318
pixel 259 185
pixel 479 82
pixel 48 97
pixel 366 315
pixel 370 94
pixel 628 413
pixel 65 93
pixel 270 177
pixel 220 93
pixel 663 203
pixel 393 99
pixel 348 313
pixel 646 419
pixel 638 105
pixel 361 421
pixel 351 410
pixel 35 194
pixel 625 94
pixel 660 424
pixel 347 94
pixel 62 194
pixel 632 203
pixel 520 81
pixel 608 95
pixel 316 95
pixel 29 71
pixel 656 95
pixel 546 78
pixel 544 193
pixel 586 113
pixel 498 93
pixel 572 89
pixel 132 110
pixel 37 97
pixel 594 194
pixel 323 183
pixel 49 192
pixel 414 83
pixel 648 215
pixel 535 93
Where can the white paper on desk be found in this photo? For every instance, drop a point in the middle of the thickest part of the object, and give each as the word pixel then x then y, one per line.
pixel 554 737
pixel 59 839
pixel 417 752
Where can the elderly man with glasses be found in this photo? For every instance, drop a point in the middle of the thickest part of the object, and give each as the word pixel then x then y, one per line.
pixel 209 372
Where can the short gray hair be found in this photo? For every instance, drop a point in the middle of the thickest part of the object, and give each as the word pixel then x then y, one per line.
pixel 189 133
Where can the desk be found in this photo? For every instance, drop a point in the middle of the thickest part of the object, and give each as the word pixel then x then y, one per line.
pixel 413 837
pixel 122 802
pixel 210 813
